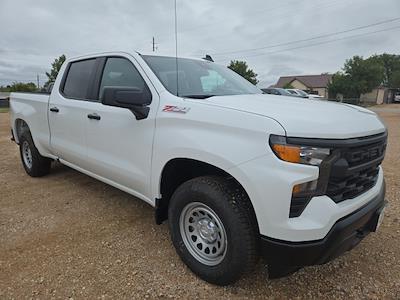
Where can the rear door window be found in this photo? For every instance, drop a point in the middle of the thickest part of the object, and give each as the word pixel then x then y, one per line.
pixel 78 79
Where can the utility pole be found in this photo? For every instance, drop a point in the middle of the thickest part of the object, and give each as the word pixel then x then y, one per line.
pixel 37 78
pixel 154 45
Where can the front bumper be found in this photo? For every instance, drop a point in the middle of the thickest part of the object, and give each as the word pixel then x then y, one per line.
pixel 345 234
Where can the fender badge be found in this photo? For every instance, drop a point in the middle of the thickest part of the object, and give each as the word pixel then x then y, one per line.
pixel 177 109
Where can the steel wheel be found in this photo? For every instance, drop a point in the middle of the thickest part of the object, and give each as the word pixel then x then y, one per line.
pixel 203 233
pixel 27 154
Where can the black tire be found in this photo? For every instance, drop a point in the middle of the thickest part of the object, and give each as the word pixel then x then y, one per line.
pixel 233 208
pixel 39 165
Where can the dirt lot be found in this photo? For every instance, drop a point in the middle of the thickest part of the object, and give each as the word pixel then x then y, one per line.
pixel 70 236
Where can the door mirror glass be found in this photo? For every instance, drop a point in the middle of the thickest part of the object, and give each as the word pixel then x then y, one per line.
pixel 125 97
pixel 131 98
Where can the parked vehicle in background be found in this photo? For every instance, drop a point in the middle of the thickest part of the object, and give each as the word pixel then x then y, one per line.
pixel 279 91
pixel 297 92
pixel 315 96
pixel 303 94
pixel 397 97
pixel 236 173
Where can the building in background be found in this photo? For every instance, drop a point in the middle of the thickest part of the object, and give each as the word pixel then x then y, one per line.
pixel 381 95
pixel 312 84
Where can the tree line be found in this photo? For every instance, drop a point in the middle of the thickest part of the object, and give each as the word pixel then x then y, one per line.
pixel 359 76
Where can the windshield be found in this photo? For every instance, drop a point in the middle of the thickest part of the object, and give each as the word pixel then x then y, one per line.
pixel 198 78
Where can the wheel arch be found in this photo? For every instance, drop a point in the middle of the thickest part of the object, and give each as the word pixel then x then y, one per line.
pixel 179 170
pixel 19 126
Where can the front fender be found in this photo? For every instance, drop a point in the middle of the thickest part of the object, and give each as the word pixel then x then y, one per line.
pixel 213 135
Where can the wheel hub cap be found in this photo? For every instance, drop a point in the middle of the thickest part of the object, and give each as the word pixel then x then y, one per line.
pixel 207 230
pixel 203 233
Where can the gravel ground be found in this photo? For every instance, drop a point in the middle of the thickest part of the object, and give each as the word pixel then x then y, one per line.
pixel 70 236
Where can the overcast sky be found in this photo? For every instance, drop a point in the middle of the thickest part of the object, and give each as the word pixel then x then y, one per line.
pixel 33 33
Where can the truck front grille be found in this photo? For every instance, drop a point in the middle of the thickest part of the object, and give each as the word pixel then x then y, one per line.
pixel 356 170
pixel 352 169
pixel 340 189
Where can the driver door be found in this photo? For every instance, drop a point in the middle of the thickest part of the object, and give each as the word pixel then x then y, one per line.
pixel 119 146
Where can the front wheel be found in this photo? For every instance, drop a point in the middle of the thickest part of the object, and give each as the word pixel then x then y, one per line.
pixel 212 228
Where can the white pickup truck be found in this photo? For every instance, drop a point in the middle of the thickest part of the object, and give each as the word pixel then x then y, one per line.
pixel 237 173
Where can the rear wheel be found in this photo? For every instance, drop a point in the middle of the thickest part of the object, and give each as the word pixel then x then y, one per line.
pixel 34 164
pixel 212 228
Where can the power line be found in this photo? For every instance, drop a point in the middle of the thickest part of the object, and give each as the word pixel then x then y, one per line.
pixel 285 14
pixel 324 42
pixel 309 39
pixel 265 11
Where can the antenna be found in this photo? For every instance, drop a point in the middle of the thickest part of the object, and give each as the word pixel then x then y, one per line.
pixel 154 44
pixel 176 50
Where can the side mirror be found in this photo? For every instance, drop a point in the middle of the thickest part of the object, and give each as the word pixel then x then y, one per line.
pixel 134 99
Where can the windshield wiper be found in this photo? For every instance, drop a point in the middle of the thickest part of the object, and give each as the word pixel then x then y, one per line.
pixel 197 96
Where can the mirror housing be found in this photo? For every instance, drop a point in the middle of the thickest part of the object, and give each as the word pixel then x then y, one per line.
pixel 134 99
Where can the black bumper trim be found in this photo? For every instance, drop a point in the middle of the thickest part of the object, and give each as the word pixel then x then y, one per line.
pixel 343 236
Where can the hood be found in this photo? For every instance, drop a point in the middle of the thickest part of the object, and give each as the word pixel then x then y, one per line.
pixel 306 117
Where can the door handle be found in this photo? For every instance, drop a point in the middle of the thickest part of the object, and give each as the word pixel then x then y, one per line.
pixel 54 109
pixel 94 116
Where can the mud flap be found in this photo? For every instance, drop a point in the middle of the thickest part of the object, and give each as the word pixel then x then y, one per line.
pixel 161 211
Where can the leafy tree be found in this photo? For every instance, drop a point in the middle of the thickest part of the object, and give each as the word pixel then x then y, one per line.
pixel 341 84
pixel 391 65
pixel 395 79
pixel 243 69
pixel 359 76
pixel 5 88
pixel 55 68
pixel 19 87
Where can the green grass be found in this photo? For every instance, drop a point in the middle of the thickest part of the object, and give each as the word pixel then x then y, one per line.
pixel 3 109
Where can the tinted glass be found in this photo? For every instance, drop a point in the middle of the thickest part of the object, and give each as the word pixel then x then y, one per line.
pixel 77 81
pixel 120 72
pixel 198 77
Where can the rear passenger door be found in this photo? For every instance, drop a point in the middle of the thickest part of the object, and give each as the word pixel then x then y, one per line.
pixel 120 146
pixel 68 112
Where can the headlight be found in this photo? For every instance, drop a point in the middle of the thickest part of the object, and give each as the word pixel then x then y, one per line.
pixel 307 155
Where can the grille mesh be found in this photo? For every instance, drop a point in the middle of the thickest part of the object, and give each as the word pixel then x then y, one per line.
pixel 340 189
pixel 359 171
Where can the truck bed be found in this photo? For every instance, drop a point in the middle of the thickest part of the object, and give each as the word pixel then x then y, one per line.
pixel 33 109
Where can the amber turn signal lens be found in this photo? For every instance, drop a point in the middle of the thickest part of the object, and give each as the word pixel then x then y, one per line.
pixel 305 188
pixel 297 189
pixel 287 153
